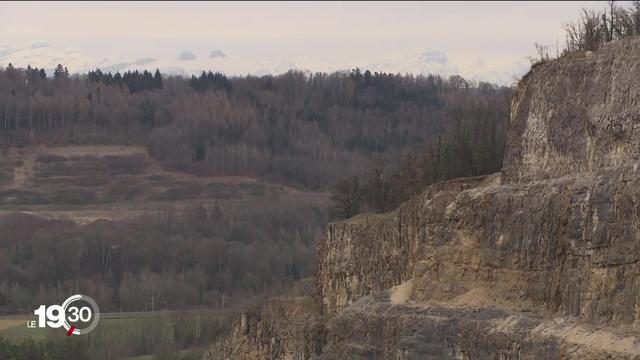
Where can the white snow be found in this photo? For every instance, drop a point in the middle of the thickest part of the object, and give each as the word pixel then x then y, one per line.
pixel 418 61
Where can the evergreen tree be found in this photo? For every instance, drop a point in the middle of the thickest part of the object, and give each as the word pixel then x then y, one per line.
pixel 157 80
pixel 61 72
pixel 30 74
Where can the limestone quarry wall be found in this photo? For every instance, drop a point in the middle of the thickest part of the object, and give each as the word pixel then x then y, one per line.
pixel 375 328
pixel 278 328
pixel 568 246
pixel 576 114
pixel 373 252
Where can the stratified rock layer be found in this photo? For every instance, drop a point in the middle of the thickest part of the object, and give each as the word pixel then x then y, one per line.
pixel 374 252
pixel 567 246
pixel 493 271
pixel 375 328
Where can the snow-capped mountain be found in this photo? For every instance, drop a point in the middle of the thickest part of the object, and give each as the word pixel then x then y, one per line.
pixel 302 63
pixel 42 55
pixel 479 71
pixel 415 61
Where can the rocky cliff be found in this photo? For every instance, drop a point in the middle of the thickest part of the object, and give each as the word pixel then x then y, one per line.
pixel 526 270
pixel 568 246
pixel 542 263
pixel 576 114
pixel 279 328
pixel 391 245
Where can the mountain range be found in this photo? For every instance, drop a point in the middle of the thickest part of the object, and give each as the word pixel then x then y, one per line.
pixel 414 61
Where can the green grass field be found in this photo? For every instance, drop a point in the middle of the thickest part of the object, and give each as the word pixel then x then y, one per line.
pixel 15 328
pixel 140 336
pixel 182 355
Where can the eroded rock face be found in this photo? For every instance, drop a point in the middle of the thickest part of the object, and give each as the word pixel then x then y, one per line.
pixel 566 246
pixel 373 252
pixel 375 328
pixel 576 114
pixel 279 328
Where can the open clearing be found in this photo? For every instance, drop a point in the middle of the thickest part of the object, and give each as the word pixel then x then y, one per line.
pixel 89 183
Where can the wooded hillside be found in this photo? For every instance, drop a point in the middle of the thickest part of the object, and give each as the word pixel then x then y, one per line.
pixel 297 128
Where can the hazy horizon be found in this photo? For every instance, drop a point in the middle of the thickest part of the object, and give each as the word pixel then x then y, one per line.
pixel 491 39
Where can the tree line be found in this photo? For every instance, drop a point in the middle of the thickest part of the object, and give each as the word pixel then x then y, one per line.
pixel 297 128
pixel 210 81
pixel 593 29
pixel 135 81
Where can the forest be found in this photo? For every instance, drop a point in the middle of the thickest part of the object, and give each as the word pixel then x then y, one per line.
pixel 302 129
pixel 199 257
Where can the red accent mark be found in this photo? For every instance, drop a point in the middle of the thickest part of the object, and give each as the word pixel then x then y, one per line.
pixel 70 332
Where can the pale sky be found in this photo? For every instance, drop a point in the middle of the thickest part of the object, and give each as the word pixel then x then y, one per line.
pixel 495 33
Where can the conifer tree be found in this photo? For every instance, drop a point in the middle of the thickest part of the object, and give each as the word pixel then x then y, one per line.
pixel 157 80
pixel 61 72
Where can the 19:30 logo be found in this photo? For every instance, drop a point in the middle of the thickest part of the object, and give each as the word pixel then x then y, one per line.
pixel 78 314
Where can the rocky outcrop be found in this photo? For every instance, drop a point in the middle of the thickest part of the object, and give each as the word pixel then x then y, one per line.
pixel 278 328
pixel 372 252
pixel 576 114
pixel 541 263
pixel 566 246
pixel 552 259
pixel 376 328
